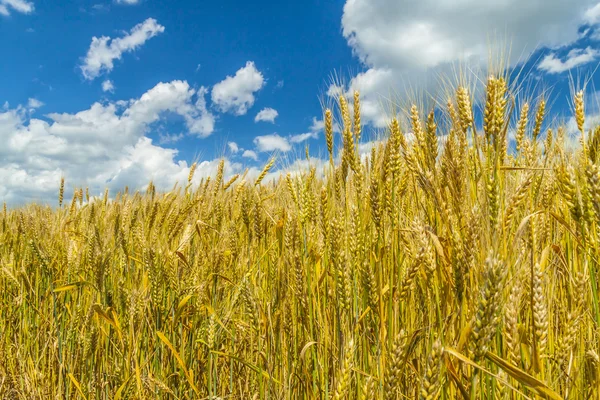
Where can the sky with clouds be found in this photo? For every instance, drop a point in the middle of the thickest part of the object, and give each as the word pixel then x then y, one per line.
pixel 109 93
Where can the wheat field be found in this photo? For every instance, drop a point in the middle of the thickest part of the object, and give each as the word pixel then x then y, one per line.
pixel 456 260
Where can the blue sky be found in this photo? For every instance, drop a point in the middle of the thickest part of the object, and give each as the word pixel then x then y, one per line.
pixel 202 43
pixel 118 92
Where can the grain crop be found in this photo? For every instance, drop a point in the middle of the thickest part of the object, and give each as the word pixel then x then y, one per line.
pixel 456 258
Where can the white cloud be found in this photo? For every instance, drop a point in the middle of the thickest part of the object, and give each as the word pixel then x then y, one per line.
pixel 335 90
pixel 401 34
pixel 33 103
pixel 375 85
pixel 250 154
pixel 108 86
pixel 128 2
pixel 303 136
pixel 575 57
pixel 98 7
pixel 272 142
pixel 595 34
pixel 166 138
pixel 365 148
pixel 104 145
pixel 266 114
pixel 235 94
pixel 20 6
pixel 592 15
pixel 233 147
pixel 104 51
pixel 572 135
pixel 592 120
pixel 403 43
pixel 203 123
pixel 318 125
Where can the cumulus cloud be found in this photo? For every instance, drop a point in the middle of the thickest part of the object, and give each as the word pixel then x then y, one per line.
pixel 34 104
pixel 315 128
pixel 233 147
pixel 266 114
pixel 318 125
pixel 401 34
pixel 108 86
pixel 403 41
pixel 250 154
pixel 235 94
pixel 576 57
pixel 104 145
pixel 371 82
pixel 104 51
pixel 20 6
pixel 202 122
pixel 592 15
pixel 303 136
pixel 377 88
pixel 166 138
pixel 272 142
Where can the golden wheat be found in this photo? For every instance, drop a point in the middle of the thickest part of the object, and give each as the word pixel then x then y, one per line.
pixel 445 265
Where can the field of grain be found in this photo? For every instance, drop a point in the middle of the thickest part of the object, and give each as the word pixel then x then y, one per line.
pixel 457 259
